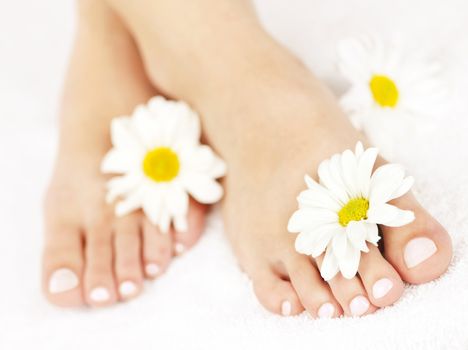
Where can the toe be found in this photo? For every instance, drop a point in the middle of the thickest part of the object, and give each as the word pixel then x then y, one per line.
pixel 63 266
pixel 196 221
pixel 351 295
pixel 157 250
pixel 128 270
pixel 314 294
pixel 381 281
pixel 420 251
pixel 276 294
pixel 99 281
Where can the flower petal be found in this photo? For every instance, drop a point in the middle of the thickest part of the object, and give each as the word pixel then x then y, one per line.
pixel 318 198
pixel 324 236
pixel 132 202
pixel 340 245
pixel 365 165
pixel 309 219
pixel 202 159
pixel 349 263
pixel 202 188
pixel 329 267
pixel 372 233
pixel 385 181
pixel 119 161
pixel 405 186
pixel 123 135
pixel 389 215
pixel 350 174
pixel 357 233
pixel 121 185
pixel 327 179
pixel 305 242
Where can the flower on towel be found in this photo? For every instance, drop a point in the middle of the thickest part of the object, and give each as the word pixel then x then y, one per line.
pixel 341 212
pixel 158 154
pixel 385 84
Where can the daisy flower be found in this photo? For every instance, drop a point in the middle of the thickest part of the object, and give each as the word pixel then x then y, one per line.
pixel 340 214
pixel 158 154
pixel 385 84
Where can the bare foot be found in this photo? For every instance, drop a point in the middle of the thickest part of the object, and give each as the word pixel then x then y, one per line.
pixel 273 122
pixel 91 257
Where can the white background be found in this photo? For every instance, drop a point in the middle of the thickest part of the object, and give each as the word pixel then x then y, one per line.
pixel 204 301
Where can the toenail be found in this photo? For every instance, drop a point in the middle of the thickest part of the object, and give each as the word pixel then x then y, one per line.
pixel 381 288
pixel 63 280
pixel 127 288
pixel 359 305
pixel 418 250
pixel 152 269
pixel 327 310
pixel 99 295
pixel 179 248
pixel 286 308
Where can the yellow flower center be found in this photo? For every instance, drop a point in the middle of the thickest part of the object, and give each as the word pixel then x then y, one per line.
pixel 354 210
pixel 161 164
pixel 384 90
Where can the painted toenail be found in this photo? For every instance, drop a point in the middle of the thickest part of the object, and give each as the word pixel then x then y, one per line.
pixel 99 295
pixel 419 250
pixel 152 269
pixel 127 288
pixel 179 248
pixel 327 310
pixel 359 305
pixel 381 288
pixel 286 308
pixel 63 280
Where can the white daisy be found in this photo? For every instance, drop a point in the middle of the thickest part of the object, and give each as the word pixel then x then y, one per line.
pixel 387 84
pixel 158 153
pixel 339 214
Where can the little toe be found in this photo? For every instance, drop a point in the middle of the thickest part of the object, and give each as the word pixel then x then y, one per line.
pixel 382 282
pixel 351 294
pixel 276 294
pixel 127 245
pixel 186 238
pixel 420 251
pixel 63 266
pixel 99 280
pixel 314 294
pixel 157 250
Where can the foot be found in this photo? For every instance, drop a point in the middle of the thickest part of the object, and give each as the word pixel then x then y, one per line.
pixel 287 130
pixel 90 256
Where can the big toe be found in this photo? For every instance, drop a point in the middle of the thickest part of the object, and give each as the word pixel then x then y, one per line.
pixel 63 266
pixel 420 251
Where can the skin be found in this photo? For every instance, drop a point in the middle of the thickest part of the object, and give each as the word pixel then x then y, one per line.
pixel 257 102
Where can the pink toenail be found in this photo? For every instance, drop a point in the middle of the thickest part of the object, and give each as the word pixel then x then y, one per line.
pixel 127 288
pixel 327 310
pixel 63 280
pixel 418 250
pixel 179 248
pixel 99 295
pixel 286 308
pixel 359 305
pixel 381 288
pixel 152 269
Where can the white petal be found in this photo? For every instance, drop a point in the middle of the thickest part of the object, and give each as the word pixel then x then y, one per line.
pixel 118 161
pixel 121 185
pixel 385 181
pixel 123 135
pixel 324 235
pixel 349 263
pixel 372 235
pixel 147 126
pixel 203 160
pixel 365 165
pixel 328 180
pixel 202 188
pixel 153 203
pixel 349 173
pixel 177 200
pixel 132 202
pixel 359 149
pixel 405 186
pixel 318 197
pixel 357 233
pixel 329 267
pixel 389 215
pixel 164 220
pixel 305 242
pixel 340 245
pixel 309 219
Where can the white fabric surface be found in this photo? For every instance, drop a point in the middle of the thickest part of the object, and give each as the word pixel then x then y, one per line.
pixel 204 301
